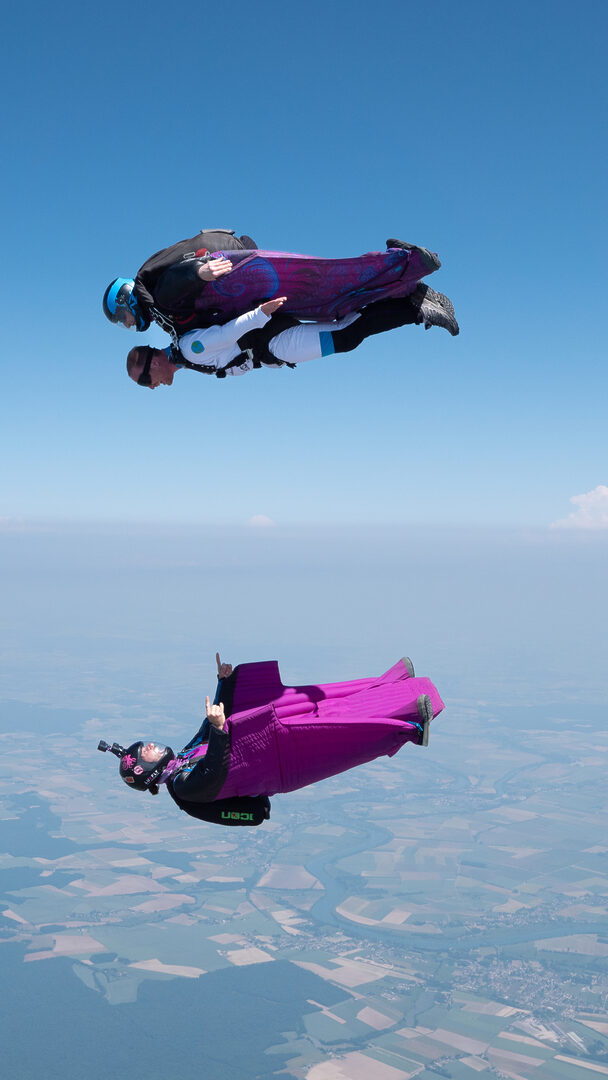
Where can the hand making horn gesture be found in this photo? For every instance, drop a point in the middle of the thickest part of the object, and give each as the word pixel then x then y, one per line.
pixel 215 713
pixel 223 670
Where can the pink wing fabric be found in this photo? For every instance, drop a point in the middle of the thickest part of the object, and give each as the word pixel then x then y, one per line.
pixel 317 289
pixel 284 738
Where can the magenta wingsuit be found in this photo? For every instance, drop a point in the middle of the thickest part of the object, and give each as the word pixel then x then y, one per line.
pixel 286 737
pixel 315 288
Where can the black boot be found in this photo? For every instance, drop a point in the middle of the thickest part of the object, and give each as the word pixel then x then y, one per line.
pixel 434 309
pixel 424 706
pixel 431 261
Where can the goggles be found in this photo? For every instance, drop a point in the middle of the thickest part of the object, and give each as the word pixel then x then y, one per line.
pixel 145 379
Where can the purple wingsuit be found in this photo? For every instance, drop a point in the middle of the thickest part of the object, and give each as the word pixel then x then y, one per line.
pixel 316 288
pixel 286 737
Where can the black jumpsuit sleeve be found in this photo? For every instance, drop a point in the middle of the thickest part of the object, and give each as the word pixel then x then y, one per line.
pixel 179 286
pixel 205 780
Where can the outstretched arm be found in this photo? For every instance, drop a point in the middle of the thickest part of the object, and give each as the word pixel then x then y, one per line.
pixel 199 346
pixel 224 671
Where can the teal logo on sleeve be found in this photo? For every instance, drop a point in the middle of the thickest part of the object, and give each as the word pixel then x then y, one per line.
pixel 197 347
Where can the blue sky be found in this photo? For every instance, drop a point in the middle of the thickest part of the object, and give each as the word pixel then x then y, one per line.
pixel 472 128
pixel 411 485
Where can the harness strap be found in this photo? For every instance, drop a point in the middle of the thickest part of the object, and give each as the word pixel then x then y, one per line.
pixel 250 354
pixel 254 349
pixel 166 324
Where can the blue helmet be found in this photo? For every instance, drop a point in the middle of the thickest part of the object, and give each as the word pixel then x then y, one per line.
pixel 119 299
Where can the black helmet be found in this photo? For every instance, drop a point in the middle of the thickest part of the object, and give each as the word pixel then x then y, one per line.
pixel 118 299
pixel 136 772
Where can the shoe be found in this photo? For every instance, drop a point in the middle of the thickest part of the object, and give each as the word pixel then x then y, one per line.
pixel 435 309
pixel 430 260
pixel 408 665
pixel 441 299
pixel 425 715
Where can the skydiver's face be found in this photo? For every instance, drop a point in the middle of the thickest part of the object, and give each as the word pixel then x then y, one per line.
pixel 161 370
pixel 127 318
pixel 151 752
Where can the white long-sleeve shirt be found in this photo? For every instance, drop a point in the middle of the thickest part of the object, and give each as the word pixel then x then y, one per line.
pixel 217 345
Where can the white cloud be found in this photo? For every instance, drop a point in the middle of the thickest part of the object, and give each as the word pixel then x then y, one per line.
pixel 260 521
pixel 20 525
pixel 591 511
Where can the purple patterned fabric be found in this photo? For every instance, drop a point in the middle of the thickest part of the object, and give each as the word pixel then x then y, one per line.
pixel 284 738
pixel 317 289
